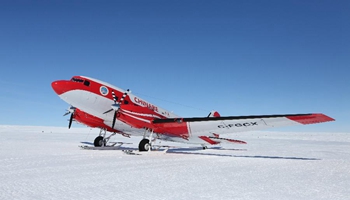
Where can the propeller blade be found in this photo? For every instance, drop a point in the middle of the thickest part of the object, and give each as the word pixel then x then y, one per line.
pixel 108 111
pixel 70 120
pixel 114 97
pixel 70 110
pixel 114 118
pixel 124 96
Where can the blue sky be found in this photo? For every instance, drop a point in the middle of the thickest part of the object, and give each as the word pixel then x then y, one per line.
pixel 238 57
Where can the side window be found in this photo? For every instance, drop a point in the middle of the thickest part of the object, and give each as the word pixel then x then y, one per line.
pixel 126 102
pixel 87 83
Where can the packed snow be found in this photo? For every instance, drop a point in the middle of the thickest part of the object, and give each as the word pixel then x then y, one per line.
pixel 47 163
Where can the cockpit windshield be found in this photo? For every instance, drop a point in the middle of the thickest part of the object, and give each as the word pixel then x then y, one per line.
pixel 77 80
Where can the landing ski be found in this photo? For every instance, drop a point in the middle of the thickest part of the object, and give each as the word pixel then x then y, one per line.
pixel 130 152
pixel 85 147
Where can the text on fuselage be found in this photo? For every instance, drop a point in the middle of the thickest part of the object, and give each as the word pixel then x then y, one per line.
pixel 238 125
pixel 144 103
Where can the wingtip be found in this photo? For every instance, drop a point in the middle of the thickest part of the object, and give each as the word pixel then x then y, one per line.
pixel 311 118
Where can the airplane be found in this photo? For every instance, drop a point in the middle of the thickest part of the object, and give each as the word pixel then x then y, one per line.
pixel 98 104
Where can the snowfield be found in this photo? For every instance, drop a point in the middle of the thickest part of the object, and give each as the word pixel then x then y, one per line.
pixel 46 163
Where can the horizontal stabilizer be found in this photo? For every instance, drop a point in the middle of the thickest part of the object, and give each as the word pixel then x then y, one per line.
pixel 216 140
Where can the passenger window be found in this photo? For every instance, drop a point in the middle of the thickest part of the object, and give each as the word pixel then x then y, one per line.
pixel 87 83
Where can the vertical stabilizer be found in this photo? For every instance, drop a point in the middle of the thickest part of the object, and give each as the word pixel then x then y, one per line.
pixel 214 114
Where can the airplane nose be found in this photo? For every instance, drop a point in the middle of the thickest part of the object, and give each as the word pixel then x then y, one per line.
pixel 59 87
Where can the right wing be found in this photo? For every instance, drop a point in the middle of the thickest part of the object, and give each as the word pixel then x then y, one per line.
pixel 206 126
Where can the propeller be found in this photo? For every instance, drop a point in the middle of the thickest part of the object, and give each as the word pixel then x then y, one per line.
pixel 71 111
pixel 116 105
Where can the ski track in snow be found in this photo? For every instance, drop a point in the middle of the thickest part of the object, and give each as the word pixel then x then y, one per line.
pixel 46 163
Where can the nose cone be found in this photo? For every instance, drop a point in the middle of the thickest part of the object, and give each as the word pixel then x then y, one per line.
pixel 59 87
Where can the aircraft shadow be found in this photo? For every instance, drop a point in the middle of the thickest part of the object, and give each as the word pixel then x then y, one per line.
pixel 199 151
pixel 194 151
pixel 88 143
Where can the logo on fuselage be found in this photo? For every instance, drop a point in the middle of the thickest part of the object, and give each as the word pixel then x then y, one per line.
pixel 104 90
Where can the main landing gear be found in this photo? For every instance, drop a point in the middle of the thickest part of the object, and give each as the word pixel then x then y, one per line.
pixel 101 140
pixel 98 142
pixel 145 144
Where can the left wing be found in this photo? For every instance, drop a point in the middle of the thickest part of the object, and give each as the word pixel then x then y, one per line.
pixel 222 125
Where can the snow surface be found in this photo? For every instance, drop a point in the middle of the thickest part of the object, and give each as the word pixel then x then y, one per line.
pixel 46 163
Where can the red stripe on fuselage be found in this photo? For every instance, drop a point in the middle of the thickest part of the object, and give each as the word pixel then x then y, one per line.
pixel 137 116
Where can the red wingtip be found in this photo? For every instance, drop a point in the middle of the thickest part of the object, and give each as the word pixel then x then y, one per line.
pixel 311 119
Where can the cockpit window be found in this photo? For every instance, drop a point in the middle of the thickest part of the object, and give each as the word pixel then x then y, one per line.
pixel 126 102
pixel 87 83
pixel 77 80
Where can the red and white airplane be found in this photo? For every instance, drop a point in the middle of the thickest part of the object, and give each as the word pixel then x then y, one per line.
pixel 102 105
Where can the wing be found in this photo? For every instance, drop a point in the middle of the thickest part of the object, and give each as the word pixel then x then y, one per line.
pixel 222 125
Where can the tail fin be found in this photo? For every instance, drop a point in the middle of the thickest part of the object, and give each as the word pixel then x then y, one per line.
pixel 214 114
